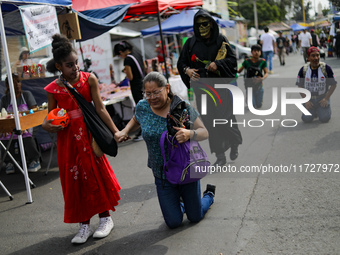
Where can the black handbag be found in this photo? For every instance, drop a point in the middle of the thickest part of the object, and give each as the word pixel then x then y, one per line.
pixel 100 132
pixel 253 71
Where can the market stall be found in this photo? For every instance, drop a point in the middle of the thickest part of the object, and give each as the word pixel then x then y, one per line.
pixel 12 6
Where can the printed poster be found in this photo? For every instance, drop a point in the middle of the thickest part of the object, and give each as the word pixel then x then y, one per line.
pixel 40 23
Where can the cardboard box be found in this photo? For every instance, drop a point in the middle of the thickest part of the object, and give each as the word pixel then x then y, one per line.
pixel 69 25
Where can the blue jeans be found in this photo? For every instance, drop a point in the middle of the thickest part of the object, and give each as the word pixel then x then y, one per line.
pixel 193 205
pixel 268 56
pixel 258 98
pixel 324 113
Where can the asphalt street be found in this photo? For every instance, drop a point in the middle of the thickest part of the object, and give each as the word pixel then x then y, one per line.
pixel 293 210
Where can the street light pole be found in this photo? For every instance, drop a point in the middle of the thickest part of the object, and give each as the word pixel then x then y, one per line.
pixel 255 19
pixel 303 12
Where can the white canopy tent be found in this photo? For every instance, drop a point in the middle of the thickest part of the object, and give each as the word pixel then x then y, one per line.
pixel 10 5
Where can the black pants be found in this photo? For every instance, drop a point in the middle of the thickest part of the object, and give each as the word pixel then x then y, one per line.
pixel 32 151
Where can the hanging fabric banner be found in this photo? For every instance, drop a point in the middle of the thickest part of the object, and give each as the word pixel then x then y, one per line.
pixel 40 23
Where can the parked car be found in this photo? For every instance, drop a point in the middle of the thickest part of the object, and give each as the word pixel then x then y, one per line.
pixel 241 51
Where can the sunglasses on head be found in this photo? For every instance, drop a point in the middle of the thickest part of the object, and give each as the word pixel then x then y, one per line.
pixel 204 24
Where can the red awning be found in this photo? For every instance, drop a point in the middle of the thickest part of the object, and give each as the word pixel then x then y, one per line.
pixel 149 7
pixel 141 8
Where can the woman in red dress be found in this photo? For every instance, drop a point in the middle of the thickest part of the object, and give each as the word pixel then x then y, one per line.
pixel 88 182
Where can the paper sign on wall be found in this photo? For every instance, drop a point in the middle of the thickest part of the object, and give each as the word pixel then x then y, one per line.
pixel 40 23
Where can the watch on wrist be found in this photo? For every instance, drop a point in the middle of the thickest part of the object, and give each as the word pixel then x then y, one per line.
pixel 194 136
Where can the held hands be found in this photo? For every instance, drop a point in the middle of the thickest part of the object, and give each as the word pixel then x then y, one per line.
pixel 50 127
pixel 182 134
pixel 121 136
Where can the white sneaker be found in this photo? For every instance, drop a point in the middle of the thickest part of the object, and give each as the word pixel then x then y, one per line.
pixel 84 232
pixel 34 166
pixel 105 227
pixel 10 168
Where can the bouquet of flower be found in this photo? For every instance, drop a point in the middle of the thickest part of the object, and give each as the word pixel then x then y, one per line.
pixel 194 58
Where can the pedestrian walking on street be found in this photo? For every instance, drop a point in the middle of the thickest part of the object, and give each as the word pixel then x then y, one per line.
pixel 210 46
pixel 268 48
pixel 330 46
pixel 305 41
pixel 318 78
pixel 315 39
pixel 255 67
pixel 281 49
pixel 134 67
pixel 295 42
pixel 337 43
pixel 288 45
pixel 151 115
pixel 88 182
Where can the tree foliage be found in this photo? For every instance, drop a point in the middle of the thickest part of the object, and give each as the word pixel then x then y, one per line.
pixel 335 3
pixel 269 11
pixel 297 10
pixel 325 12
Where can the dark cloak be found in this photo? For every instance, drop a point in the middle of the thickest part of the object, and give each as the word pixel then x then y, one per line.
pixel 206 49
pixel 220 137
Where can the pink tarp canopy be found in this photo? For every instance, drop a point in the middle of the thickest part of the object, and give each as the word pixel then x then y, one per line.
pixel 81 5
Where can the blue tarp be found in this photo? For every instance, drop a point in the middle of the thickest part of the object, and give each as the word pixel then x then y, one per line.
pixel 336 18
pixel 96 22
pixel 297 27
pixel 11 5
pixel 92 23
pixel 180 23
pixel 11 15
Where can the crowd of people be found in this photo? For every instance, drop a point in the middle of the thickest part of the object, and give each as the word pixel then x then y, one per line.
pixel 315 76
pixel 88 182
pixel 299 42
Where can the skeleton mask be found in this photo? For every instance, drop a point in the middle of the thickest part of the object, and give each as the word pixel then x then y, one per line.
pixel 204 26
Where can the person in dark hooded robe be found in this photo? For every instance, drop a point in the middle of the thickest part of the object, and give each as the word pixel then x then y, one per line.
pixel 208 55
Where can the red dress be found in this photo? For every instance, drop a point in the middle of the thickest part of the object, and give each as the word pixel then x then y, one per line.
pixel 89 184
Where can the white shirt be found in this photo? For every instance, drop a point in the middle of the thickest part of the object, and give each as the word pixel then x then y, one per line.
pixel 267 42
pixel 305 39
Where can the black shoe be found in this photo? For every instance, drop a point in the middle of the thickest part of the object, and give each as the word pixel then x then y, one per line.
pixel 283 63
pixel 234 152
pixel 210 189
pixel 220 162
pixel 138 138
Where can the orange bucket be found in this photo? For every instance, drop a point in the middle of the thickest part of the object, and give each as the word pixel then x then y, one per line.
pixel 57 120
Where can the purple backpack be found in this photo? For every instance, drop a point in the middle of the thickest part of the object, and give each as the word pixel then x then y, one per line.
pixel 187 162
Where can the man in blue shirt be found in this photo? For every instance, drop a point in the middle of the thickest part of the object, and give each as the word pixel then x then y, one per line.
pixel 318 78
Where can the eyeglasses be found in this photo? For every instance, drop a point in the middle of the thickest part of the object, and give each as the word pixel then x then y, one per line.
pixel 155 94
pixel 204 24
